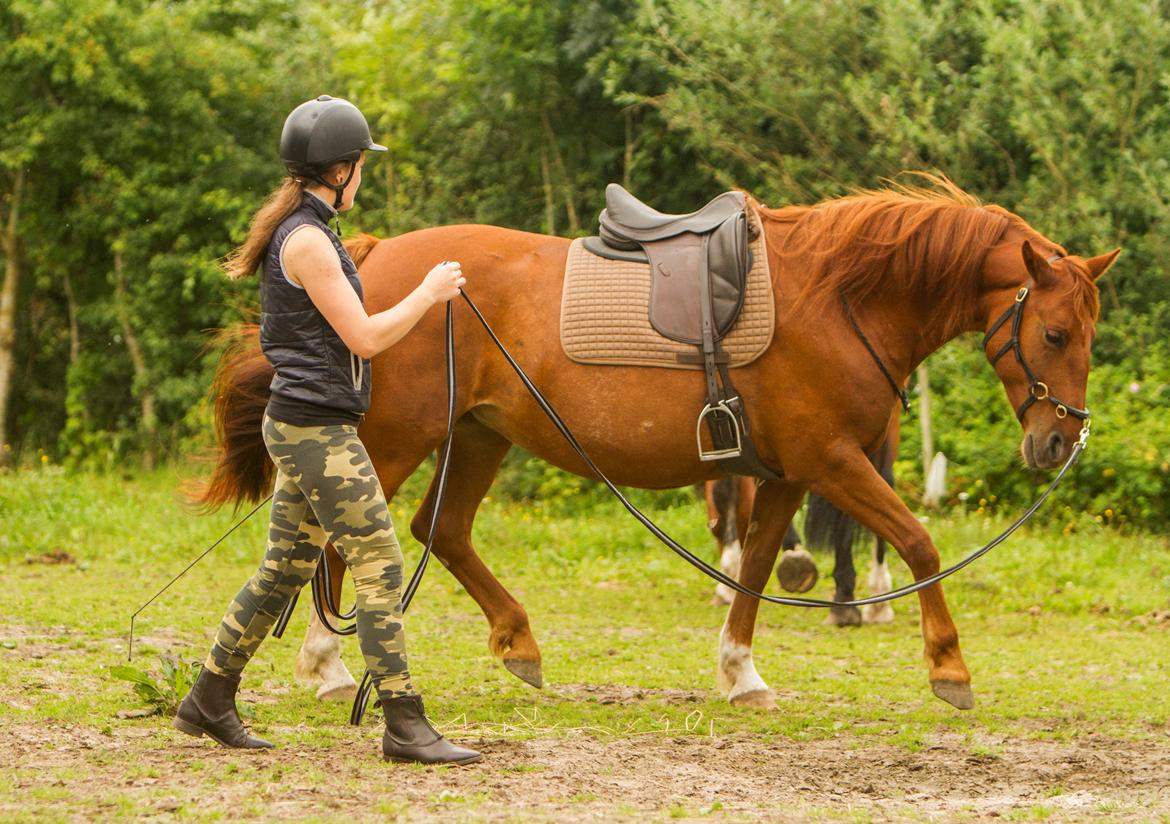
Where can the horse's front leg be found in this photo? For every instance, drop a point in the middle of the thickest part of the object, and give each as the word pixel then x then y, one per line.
pixel 776 502
pixel 856 487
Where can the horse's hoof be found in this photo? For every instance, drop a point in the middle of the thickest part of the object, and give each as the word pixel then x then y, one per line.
pixel 796 571
pixel 527 671
pixel 756 699
pixel 337 692
pixel 877 614
pixel 843 617
pixel 955 693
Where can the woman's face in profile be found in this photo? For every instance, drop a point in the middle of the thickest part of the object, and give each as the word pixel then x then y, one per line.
pixel 350 192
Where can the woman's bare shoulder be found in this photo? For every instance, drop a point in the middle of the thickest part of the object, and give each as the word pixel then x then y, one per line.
pixel 308 253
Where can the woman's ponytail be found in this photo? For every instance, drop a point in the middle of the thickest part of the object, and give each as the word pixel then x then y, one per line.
pixel 246 259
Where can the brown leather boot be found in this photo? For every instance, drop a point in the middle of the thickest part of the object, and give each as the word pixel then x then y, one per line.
pixel 210 709
pixel 409 736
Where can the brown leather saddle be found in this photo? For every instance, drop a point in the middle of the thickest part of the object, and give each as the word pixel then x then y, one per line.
pixel 699 264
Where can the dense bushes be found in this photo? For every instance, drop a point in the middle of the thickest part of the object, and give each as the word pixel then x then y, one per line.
pixel 146 153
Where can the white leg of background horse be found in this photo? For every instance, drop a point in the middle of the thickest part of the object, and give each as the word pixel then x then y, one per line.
pixel 729 563
pixel 879 584
pixel 319 662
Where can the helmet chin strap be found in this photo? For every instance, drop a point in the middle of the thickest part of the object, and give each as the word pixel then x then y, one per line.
pixel 339 190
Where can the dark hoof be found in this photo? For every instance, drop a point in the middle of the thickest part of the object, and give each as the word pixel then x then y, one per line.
pixel 956 693
pixel 526 671
pixel 796 571
pixel 843 617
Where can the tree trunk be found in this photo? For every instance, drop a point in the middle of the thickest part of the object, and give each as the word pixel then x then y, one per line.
pixel 141 384
pixel 628 155
pixel 74 330
pixel 8 294
pixel 933 466
pixel 391 195
pixel 924 414
pixel 550 211
pixel 570 208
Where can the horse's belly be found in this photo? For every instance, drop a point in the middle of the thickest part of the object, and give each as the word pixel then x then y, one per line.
pixel 631 422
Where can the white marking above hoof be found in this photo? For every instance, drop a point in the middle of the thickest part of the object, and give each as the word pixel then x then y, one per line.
pixel 877 614
pixel 736 673
pixel 879 584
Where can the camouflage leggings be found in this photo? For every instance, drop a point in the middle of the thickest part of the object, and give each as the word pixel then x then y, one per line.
pixel 326 489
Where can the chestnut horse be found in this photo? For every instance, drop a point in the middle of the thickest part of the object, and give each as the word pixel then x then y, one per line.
pixel 917 267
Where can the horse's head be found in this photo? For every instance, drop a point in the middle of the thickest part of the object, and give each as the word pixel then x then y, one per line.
pixel 1038 338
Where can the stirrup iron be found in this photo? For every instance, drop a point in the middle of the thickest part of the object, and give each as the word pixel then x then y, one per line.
pixel 716 454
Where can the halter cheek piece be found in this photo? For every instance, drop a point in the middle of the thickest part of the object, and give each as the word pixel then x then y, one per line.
pixel 1037 390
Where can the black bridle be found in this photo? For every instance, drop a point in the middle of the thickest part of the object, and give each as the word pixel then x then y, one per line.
pixel 1037 390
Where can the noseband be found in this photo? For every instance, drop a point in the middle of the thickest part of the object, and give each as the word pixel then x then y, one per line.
pixel 1037 390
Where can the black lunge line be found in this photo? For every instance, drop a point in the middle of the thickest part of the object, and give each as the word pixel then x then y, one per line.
pixel 130 644
pixel 364 691
pixel 720 576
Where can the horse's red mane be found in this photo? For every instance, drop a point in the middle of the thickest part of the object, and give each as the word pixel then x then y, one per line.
pixel 934 238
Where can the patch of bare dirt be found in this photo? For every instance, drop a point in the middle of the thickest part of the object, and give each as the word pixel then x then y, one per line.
pixel 585 778
pixel 622 694
pixel 56 556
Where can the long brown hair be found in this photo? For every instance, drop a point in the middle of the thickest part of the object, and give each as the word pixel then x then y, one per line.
pixel 247 257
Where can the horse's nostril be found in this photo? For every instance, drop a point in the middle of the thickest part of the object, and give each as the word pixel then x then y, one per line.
pixel 1055 444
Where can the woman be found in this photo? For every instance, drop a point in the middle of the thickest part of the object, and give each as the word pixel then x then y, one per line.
pixel 317 335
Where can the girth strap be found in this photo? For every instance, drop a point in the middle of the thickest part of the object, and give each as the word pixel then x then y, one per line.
pixel 732 448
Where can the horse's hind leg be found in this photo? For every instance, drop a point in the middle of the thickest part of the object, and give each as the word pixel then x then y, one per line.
pixel 776 503
pixel 319 662
pixel 476 454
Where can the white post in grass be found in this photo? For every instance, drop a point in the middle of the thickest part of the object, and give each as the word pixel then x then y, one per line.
pixel 934 466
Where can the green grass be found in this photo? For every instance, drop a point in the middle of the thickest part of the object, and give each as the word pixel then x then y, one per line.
pixel 1047 624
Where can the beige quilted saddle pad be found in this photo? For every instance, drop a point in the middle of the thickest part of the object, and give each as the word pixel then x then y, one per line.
pixel 605 313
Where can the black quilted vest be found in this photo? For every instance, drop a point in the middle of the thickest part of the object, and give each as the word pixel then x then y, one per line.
pixel 318 380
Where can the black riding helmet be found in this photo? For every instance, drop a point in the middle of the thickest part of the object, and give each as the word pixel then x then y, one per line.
pixel 321 132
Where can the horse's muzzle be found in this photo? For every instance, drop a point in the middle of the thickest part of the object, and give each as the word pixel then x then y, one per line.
pixel 1045 450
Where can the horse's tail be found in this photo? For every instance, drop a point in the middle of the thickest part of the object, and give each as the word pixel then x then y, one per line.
pixel 827 527
pixel 360 246
pixel 243 471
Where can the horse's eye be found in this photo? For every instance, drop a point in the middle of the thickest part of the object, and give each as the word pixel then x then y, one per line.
pixel 1055 337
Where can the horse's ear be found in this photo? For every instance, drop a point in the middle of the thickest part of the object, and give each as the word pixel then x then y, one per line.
pixel 1038 267
pixel 1100 265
